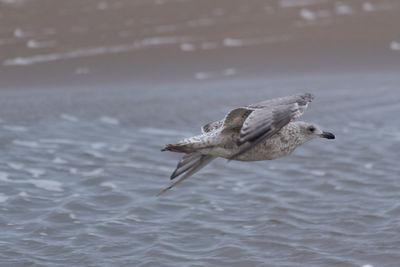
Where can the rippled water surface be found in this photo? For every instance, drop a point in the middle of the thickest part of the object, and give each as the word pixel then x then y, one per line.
pixel 80 170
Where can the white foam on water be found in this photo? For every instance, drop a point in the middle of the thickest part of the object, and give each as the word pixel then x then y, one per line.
pixel 203 75
pixel 121 148
pixel 19 33
pixel 201 22
pixel 23 194
pixel 36 44
pixel 343 9
pixel 82 71
pixel 229 72
pixel 15 128
pixel 367 6
pixel 98 145
pixel 158 131
pixel 102 5
pixel 95 154
pixel 298 3
pixel 68 117
pixel 231 42
pixel 109 120
pixel 165 28
pixel 187 47
pixel 395 46
pixel 209 45
pixel 61 141
pixel 46 184
pixel 3 198
pixel 95 51
pixel 94 172
pixel 15 166
pixel 73 171
pixel 12 2
pixel 31 144
pixel 36 173
pixel 109 185
pixel 369 165
pixel 367 265
pixel 307 14
pixel 318 173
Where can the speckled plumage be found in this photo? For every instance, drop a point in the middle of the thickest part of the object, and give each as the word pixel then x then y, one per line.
pixel 262 131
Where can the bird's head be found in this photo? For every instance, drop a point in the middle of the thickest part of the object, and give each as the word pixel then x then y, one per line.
pixel 310 131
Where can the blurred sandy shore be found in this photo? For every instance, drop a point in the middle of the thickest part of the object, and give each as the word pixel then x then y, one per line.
pixel 76 42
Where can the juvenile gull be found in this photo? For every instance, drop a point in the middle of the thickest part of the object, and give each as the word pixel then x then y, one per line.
pixel 261 131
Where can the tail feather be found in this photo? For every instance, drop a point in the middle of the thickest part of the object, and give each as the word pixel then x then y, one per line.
pixel 190 163
pixel 180 148
pixel 186 162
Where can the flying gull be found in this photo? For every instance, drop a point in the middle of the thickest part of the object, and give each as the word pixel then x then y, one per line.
pixel 261 131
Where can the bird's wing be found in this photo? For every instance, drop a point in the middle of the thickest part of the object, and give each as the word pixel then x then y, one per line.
pixel 188 165
pixel 268 117
pixel 212 126
pixel 300 99
pixel 235 118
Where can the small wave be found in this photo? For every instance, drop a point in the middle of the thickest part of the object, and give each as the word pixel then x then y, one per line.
pixel 231 42
pixel 98 145
pixel 82 70
pixel 68 117
pixel 157 131
pixel 94 172
pixel 298 3
pixel 94 154
pixel 95 51
pixel 318 173
pixel 187 47
pixel 307 14
pixel 31 144
pixel 46 184
pixel 368 7
pixel 15 166
pixel 109 120
pixel 61 141
pixel 36 44
pixel 15 128
pixel 343 9
pixel 58 160
pixel 120 149
pixel 3 198
pixel 36 173
pixel 109 185
pixel 209 45
pixel 4 177
pixel 395 46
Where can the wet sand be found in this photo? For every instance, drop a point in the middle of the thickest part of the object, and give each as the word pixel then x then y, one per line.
pixel 147 41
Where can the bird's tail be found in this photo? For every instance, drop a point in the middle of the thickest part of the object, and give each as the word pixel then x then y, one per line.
pixel 188 165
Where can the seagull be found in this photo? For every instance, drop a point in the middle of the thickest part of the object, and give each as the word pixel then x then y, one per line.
pixel 261 131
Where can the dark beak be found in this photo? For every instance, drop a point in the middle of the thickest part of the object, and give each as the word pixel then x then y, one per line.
pixel 328 135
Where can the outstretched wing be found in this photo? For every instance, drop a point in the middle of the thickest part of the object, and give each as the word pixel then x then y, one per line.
pixel 269 117
pixel 212 126
pixel 188 165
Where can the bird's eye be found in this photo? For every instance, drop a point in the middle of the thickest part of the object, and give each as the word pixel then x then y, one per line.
pixel 311 129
